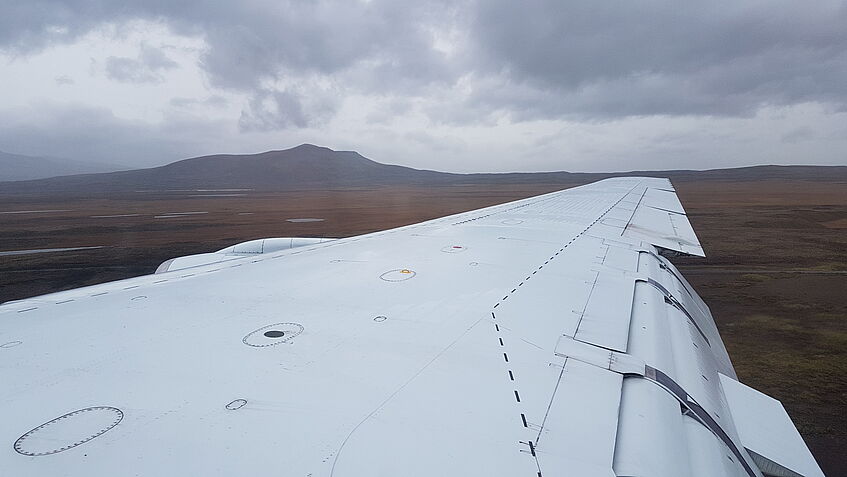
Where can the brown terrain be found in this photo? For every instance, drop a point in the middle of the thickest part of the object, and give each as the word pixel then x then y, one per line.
pixel 775 277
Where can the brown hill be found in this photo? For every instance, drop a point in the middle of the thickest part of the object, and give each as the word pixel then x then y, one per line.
pixel 308 167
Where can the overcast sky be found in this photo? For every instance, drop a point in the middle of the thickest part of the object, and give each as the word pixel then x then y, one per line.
pixel 460 86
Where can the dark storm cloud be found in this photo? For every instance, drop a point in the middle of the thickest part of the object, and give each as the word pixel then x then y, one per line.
pixel 600 59
pixel 290 39
pixel 577 59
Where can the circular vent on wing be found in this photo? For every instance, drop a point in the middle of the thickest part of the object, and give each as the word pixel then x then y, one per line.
pixel 272 335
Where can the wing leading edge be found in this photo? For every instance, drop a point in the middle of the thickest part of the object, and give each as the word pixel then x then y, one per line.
pixel 539 337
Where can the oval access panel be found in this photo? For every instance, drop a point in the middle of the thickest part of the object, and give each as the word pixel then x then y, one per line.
pixel 68 431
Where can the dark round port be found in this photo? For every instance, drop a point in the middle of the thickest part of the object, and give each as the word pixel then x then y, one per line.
pixel 274 334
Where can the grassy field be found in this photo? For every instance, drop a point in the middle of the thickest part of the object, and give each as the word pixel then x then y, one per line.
pixel 775 277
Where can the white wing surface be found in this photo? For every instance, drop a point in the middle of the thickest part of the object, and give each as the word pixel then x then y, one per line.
pixel 542 337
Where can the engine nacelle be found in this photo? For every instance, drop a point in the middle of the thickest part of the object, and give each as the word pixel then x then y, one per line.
pixel 240 250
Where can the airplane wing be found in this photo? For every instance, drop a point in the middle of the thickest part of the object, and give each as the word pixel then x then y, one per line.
pixel 543 337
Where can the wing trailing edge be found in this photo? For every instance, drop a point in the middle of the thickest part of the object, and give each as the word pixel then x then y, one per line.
pixel 659 218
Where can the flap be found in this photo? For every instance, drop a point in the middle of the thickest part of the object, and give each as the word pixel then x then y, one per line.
pixel 587 398
pixel 660 220
pixel 767 432
pixel 662 199
pixel 605 320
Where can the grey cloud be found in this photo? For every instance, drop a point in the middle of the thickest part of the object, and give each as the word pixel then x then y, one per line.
pixel 64 80
pixel 798 135
pixel 386 111
pixel 538 59
pixel 595 60
pixel 215 101
pixel 128 70
pixel 436 143
pixel 29 26
pixel 391 38
pixel 272 110
pixel 95 134
pixel 144 69
pixel 155 59
pixel 380 46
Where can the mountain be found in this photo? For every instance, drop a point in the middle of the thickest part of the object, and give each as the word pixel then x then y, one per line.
pixel 313 167
pixel 17 167
pixel 302 167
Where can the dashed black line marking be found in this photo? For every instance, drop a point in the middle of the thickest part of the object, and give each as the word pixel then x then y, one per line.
pixel 540 267
pixel 573 239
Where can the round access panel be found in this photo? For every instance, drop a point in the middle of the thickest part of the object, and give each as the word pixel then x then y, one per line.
pixel 272 335
pixel 454 249
pixel 398 275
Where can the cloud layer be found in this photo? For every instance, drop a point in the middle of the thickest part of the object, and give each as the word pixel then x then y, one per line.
pixel 291 69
